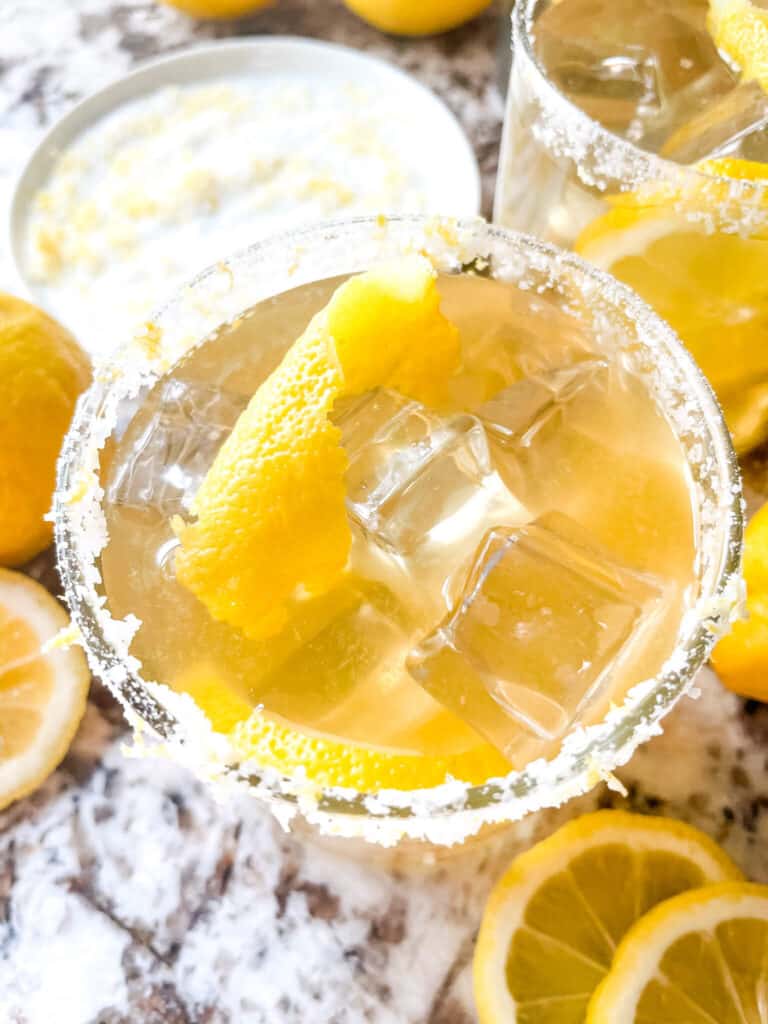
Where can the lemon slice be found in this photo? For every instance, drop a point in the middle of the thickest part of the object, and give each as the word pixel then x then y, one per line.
pixel 701 958
pixel 554 920
pixel 271 743
pixel 740 28
pixel 42 695
pixel 741 658
pixel 710 286
pixel 271 520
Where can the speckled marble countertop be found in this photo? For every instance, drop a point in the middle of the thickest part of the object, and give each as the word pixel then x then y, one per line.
pixel 127 893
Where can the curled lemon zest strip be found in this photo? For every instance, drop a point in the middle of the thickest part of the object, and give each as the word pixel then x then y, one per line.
pixel 271 520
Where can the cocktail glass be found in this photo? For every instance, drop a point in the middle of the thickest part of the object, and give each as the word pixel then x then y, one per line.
pixel 216 300
pixel 619 198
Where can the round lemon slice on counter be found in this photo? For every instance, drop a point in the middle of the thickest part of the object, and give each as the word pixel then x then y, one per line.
pixel 741 658
pixel 701 958
pixel 42 694
pixel 709 285
pixel 271 743
pixel 271 520
pixel 554 920
pixel 271 533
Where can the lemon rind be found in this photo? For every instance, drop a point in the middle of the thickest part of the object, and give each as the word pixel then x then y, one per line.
pixel 508 901
pixel 20 775
pixel 638 953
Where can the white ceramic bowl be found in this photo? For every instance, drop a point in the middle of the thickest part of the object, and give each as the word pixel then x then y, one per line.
pixel 424 133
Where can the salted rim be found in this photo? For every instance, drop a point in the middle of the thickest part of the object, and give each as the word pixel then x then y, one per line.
pixel 613 160
pixel 448 813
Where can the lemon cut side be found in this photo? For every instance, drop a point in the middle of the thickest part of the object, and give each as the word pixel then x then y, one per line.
pixel 701 957
pixel 42 695
pixel 555 919
pixel 271 522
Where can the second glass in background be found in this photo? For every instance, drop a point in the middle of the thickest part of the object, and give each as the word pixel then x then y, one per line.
pixel 630 138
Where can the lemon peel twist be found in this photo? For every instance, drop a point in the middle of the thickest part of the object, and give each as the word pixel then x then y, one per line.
pixel 740 28
pixel 271 523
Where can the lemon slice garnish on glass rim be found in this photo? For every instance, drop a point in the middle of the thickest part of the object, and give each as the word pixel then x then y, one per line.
pixel 701 958
pixel 42 693
pixel 740 28
pixel 554 920
pixel 710 286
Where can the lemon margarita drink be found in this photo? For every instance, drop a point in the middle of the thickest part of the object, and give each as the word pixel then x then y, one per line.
pixel 401 524
pixel 637 133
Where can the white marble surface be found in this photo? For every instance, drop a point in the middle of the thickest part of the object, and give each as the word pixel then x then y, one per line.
pixel 127 893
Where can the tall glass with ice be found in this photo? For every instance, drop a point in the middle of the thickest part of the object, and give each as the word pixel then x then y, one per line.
pixel 502 520
pixel 633 136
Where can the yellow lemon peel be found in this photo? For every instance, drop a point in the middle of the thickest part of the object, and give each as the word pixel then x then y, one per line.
pixel 219 702
pixel 218 8
pixel 555 917
pixel 675 244
pixel 741 658
pixel 710 193
pixel 740 28
pixel 42 372
pixel 327 762
pixel 270 742
pixel 271 521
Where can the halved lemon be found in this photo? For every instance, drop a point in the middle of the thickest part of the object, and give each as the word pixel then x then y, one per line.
pixel 710 285
pixel 701 958
pixel 554 920
pixel 42 695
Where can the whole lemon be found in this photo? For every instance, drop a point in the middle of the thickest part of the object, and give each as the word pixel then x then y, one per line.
pixel 218 8
pixel 42 371
pixel 414 18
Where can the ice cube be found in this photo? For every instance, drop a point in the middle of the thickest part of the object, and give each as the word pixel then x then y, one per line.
pixel 170 444
pixel 518 413
pixel 611 86
pixel 417 478
pixel 622 62
pixel 538 635
pixel 736 125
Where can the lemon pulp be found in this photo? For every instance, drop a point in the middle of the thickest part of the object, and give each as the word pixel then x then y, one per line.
pixel 554 920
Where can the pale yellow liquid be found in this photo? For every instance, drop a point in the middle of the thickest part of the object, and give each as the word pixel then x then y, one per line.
pixel 608 460
pixel 650 71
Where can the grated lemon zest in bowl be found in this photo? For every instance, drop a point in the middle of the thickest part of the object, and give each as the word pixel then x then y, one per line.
pixel 187 173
